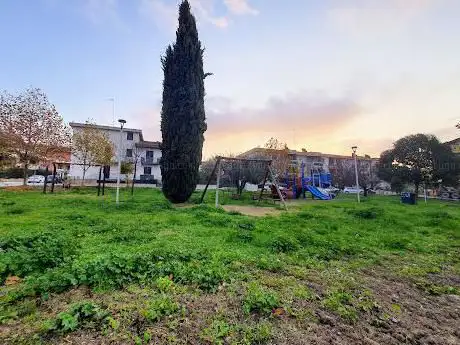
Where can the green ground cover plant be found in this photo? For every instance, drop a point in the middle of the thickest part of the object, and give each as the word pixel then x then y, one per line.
pixel 163 273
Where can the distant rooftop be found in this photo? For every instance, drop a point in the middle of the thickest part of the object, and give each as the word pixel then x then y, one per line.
pixel 256 150
pixel 454 141
pixel 107 128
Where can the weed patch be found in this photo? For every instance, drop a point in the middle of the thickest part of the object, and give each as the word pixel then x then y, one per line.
pixel 25 255
pixel 367 213
pixel 16 210
pixel 160 307
pixel 260 300
pixel 81 315
pixel 284 244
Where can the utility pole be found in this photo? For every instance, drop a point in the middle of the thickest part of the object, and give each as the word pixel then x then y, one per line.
pixel 354 148
pixel 122 123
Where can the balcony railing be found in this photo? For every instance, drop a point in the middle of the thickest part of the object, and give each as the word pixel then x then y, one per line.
pixel 149 161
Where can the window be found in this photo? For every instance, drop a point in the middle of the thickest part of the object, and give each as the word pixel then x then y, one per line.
pixel 129 153
pixel 129 135
pixel 149 154
pixel 147 170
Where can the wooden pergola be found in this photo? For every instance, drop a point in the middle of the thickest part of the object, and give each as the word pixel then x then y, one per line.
pixel 218 168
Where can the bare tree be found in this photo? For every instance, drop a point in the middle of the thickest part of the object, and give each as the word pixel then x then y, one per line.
pixel 343 173
pixel 278 152
pixel 5 155
pixel 234 173
pixel 31 126
pixel 137 152
pixel 239 173
pixel 367 175
pixel 91 147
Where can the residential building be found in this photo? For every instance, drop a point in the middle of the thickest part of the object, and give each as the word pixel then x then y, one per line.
pixel 325 162
pixel 145 154
pixel 454 145
pixel 60 157
pixel 340 167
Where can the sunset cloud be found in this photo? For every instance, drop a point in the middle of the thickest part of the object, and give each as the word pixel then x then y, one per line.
pixel 313 114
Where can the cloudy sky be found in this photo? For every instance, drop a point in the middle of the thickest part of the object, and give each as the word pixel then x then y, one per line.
pixel 322 75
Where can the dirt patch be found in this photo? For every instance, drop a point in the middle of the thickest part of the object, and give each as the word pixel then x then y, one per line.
pixel 404 315
pixel 19 188
pixel 184 205
pixel 252 210
pixel 417 318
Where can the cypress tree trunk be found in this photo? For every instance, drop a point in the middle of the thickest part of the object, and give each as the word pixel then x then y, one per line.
pixel 183 116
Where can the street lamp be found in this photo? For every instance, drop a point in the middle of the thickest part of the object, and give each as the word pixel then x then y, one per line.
pixel 122 123
pixel 354 148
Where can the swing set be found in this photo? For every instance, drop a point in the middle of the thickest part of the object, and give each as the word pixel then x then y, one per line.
pixel 268 171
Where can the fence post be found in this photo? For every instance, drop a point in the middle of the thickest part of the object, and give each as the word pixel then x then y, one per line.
pixel 54 178
pixel 46 178
pixel 218 182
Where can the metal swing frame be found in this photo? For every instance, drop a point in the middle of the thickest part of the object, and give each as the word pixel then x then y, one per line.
pixel 218 169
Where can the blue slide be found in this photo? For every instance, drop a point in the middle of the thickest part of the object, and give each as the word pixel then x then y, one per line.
pixel 317 194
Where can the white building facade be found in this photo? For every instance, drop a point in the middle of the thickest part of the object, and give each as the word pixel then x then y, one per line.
pixel 134 149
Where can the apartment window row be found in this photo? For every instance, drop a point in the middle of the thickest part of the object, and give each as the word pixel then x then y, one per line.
pixel 148 154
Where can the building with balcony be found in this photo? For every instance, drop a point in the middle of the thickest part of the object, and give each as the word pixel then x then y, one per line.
pixel 134 149
pixel 318 161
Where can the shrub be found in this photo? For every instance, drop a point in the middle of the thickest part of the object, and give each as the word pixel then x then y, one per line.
pixel 258 299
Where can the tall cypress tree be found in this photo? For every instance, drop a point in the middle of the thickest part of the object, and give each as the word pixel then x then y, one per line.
pixel 182 116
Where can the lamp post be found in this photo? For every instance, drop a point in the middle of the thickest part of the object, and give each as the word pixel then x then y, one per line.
pixel 122 123
pixel 354 148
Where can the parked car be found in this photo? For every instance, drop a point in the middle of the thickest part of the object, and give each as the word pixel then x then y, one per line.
pixel 49 179
pixel 352 190
pixel 36 179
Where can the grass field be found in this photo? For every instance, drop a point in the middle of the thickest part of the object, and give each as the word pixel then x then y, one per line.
pixel 78 269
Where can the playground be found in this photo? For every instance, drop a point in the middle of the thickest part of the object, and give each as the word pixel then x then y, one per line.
pixel 78 269
pixel 296 182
